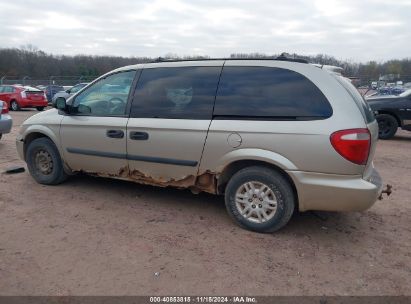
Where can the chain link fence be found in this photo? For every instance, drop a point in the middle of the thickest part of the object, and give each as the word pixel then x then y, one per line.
pixel 51 80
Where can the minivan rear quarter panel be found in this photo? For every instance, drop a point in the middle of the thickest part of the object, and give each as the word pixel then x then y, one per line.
pixel 305 144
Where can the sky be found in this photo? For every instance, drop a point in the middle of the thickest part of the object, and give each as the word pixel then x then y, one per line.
pixel 357 30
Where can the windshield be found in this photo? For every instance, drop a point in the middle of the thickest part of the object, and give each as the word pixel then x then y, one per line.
pixel 406 93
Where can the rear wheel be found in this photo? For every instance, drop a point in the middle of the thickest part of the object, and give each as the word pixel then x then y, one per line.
pixel 44 162
pixel 40 108
pixel 387 126
pixel 14 105
pixel 259 199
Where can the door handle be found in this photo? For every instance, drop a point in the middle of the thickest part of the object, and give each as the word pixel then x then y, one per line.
pixel 115 133
pixel 138 135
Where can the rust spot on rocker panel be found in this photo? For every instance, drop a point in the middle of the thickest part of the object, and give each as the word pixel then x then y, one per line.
pixel 206 181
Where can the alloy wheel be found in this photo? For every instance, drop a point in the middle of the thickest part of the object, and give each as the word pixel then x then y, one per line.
pixel 14 106
pixel 256 202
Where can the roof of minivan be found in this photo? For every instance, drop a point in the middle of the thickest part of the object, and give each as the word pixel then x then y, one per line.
pixel 209 62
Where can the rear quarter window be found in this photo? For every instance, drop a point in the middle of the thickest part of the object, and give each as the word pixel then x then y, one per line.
pixel 265 92
pixel 359 100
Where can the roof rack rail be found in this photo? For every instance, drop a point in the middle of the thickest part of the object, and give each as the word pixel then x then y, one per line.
pixel 282 57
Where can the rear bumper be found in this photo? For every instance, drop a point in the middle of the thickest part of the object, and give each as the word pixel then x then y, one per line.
pixel 330 192
pixel 28 103
pixel 6 123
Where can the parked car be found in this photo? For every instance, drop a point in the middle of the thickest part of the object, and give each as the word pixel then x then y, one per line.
pixel 42 88
pixel 392 112
pixel 18 97
pixel 67 93
pixel 272 136
pixel 390 90
pixel 5 119
pixel 51 90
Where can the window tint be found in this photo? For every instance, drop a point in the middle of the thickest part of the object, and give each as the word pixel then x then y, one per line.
pixel 107 97
pixel 185 93
pixel 269 92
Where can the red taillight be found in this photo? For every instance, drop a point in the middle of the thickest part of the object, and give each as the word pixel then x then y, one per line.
pixel 353 145
pixel 5 108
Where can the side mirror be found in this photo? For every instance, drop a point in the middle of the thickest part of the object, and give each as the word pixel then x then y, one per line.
pixel 60 103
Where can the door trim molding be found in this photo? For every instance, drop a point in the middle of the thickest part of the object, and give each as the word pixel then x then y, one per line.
pixel 150 159
pixel 96 153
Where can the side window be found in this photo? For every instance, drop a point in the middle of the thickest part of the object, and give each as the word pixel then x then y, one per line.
pixel 107 97
pixel 269 92
pixel 1 89
pixel 359 100
pixel 8 90
pixel 180 93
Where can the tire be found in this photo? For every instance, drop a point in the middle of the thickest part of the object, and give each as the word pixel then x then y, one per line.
pixel 1 135
pixel 281 191
pixel 387 126
pixel 14 105
pixel 40 108
pixel 44 162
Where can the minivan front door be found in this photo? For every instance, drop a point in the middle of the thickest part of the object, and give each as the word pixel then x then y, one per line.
pixel 169 120
pixel 93 136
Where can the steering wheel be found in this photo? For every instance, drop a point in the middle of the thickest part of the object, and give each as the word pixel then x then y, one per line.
pixel 116 106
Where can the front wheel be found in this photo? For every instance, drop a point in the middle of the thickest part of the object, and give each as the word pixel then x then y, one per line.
pixel 40 108
pixel 387 126
pixel 259 199
pixel 44 162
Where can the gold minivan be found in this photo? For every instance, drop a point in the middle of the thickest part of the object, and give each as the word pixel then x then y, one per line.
pixel 272 136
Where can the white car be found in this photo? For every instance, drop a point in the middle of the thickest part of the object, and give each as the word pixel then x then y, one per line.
pixel 5 119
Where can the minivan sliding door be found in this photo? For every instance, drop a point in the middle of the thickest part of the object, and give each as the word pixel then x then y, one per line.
pixel 170 116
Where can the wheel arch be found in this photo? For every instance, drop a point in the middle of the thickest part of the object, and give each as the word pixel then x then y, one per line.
pixel 235 166
pixel 32 136
pixel 35 132
pixel 392 114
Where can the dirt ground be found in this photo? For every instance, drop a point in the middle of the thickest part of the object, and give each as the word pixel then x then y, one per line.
pixel 95 236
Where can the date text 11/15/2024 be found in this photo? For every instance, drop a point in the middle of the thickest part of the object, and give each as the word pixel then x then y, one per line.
pixel 203 299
